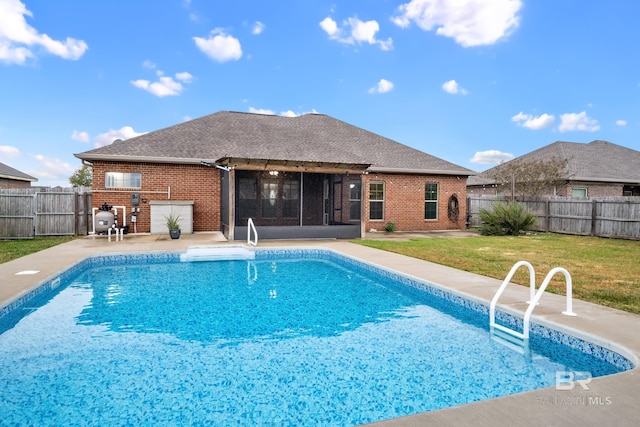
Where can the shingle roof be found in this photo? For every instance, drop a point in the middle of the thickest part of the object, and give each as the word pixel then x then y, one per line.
pixel 11 173
pixel 599 161
pixel 306 138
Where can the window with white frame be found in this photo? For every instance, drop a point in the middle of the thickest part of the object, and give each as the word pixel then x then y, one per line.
pixel 431 201
pixel 579 193
pixel 122 180
pixel 376 200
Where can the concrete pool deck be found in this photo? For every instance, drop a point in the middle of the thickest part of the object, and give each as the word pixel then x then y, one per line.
pixel 611 400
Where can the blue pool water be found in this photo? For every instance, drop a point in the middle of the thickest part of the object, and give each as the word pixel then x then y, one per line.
pixel 291 338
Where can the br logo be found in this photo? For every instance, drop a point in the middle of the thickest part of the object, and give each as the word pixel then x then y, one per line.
pixel 567 380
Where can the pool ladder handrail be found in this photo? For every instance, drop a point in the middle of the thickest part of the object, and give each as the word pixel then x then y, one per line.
pixel 534 298
pixel 251 227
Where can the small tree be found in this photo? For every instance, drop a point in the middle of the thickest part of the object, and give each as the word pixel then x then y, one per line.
pixel 531 177
pixel 506 219
pixel 82 177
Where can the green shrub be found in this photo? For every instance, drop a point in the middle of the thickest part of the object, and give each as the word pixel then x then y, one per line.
pixel 390 227
pixel 506 219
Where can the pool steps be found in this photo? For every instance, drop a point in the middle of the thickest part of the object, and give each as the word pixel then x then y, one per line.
pixel 534 298
pixel 216 253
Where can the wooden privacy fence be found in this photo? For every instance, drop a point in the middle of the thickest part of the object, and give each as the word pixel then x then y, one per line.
pixel 26 213
pixel 617 217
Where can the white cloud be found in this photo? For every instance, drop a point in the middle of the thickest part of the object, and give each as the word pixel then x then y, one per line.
pixel 534 123
pixel 454 88
pixel 355 31
pixel 383 86
pixel 468 22
pixel 165 86
pixel 80 136
pixel 262 111
pixel 184 77
pixel 149 64
pixel 491 157
pixel 219 46
pixel 330 27
pixel 258 28
pixel 18 39
pixel 577 121
pixel 290 113
pixel 111 135
pixel 49 168
pixel 621 122
pixel 7 152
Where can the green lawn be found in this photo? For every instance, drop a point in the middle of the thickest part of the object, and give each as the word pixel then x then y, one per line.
pixel 12 249
pixel 603 271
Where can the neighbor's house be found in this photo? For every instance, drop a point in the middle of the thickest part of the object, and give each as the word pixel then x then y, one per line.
pixel 13 178
pixel 295 177
pixel 596 169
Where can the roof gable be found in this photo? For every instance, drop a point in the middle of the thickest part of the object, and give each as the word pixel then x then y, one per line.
pixel 307 138
pixel 8 172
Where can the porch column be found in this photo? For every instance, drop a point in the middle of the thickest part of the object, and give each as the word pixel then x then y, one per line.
pixel 362 206
pixel 232 204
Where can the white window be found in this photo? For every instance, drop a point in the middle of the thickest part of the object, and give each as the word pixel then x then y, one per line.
pixel 122 180
pixel 376 200
pixel 579 193
pixel 431 201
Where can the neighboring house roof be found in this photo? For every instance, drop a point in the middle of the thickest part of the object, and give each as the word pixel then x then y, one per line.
pixel 597 161
pixel 227 136
pixel 8 172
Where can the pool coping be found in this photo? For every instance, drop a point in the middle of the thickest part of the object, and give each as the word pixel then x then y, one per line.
pixel 610 400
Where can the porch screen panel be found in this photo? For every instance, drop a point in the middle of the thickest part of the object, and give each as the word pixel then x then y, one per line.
pixel 247 195
pixel 354 200
pixel 269 198
pixel 290 198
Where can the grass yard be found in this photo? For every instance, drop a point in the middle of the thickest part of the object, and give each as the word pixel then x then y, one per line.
pixel 603 271
pixel 12 249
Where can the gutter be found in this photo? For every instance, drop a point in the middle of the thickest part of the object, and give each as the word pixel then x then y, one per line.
pixel 380 169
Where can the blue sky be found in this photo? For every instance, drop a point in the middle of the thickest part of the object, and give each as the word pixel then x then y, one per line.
pixel 471 81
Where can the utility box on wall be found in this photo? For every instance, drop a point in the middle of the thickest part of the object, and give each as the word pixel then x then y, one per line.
pixel 161 209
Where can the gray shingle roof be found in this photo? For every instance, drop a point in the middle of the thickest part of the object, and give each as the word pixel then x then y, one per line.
pixel 11 173
pixel 599 161
pixel 306 138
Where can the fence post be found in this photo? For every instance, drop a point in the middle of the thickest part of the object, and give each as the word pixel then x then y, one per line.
pixel 76 210
pixel 593 217
pixel 547 214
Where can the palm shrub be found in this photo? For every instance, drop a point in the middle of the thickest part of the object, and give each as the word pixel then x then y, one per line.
pixel 506 219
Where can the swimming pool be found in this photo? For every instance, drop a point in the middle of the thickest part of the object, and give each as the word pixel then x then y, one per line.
pixel 295 337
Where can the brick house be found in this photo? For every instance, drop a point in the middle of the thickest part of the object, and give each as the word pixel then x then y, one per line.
pixel 296 177
pixel 13 178
pixel 596 169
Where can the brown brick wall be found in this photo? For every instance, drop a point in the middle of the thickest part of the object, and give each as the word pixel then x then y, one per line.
pixel 185 182
pixel 404 201
pixel 14 183
pixel 404 195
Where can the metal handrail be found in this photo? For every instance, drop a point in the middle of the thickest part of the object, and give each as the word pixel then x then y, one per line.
pixel 534 299
pixel 251 227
